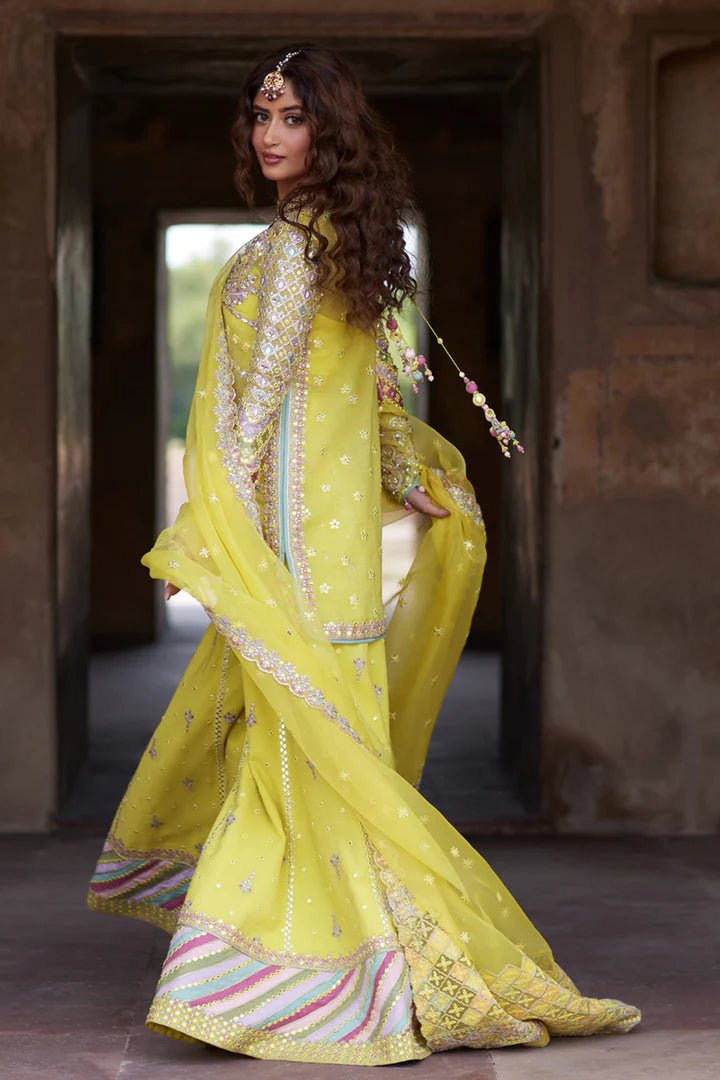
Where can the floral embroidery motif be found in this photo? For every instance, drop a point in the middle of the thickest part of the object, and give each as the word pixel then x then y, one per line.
pixel 246 885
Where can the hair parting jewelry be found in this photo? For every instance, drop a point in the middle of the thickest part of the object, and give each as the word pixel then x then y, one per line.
pixel 273 85
pixel 416 367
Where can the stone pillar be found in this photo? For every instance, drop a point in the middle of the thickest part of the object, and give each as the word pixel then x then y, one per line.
pixel 27 425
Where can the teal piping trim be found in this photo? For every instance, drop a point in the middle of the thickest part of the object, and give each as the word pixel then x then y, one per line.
pixel 407 490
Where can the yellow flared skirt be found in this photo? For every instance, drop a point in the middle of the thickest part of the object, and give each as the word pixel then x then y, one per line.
pixel 297 933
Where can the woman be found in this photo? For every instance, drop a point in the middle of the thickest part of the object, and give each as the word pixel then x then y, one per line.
pixel 321 909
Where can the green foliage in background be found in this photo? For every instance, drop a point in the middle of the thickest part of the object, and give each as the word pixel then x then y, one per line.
pixel 187 292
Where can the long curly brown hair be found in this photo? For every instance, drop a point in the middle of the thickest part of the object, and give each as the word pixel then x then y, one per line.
pixel 355 174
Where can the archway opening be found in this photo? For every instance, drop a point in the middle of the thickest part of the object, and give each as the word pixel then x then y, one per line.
pixel 467 121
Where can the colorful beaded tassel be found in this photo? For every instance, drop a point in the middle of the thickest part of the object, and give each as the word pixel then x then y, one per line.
pixel 416 367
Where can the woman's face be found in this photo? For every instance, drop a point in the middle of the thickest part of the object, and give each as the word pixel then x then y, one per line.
pixel 281 138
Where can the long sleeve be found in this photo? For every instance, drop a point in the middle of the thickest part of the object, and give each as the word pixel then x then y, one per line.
pixel 287 302
pixel 400 464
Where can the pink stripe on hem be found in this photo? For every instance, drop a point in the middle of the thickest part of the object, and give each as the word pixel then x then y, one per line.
pixel 313 1005
pixel 371 1005
pixel 159 886
pixel 258 1015
pixel 186 947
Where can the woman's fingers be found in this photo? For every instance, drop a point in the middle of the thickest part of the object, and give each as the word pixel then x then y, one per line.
pixel 170 590
pixel 420 500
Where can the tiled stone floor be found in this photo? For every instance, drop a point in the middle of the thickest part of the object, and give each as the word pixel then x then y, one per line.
pixel 636 919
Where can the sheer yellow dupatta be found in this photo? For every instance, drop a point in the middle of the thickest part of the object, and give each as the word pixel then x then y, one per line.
pixel 434 608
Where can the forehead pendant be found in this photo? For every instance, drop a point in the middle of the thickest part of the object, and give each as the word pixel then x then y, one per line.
pixel 273 85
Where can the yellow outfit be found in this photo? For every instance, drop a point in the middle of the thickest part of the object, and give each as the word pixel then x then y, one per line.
pixel 320 908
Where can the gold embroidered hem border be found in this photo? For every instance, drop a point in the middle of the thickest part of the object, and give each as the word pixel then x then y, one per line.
pixel 178 1017
pixel 254 947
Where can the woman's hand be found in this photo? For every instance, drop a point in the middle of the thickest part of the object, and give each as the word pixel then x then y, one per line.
pixel 170 590
pixel 420 500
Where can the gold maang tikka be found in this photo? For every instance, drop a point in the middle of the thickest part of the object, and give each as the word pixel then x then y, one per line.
pixel 273 85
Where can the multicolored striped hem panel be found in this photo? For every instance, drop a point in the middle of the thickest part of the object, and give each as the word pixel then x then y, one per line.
pixel 210 991
pixel 151 888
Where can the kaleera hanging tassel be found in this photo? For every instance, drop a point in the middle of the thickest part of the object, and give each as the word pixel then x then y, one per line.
pixel 416 367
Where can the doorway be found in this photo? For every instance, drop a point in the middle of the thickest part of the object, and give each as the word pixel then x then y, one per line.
pixel 475 111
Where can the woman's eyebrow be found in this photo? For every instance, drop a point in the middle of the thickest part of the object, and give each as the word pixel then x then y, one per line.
pixel 285 108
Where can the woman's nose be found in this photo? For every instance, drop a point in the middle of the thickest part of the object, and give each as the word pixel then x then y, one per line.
pixel 270 136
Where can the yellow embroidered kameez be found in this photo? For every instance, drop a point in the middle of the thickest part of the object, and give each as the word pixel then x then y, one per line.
pixel 320 908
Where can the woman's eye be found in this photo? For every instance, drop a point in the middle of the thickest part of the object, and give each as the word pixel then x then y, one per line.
pixel 294 116
pixel 259 117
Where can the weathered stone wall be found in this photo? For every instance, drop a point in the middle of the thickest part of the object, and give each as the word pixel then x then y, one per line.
pixel 630 725
pixel 630 324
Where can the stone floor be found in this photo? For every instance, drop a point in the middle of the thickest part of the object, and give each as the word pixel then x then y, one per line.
pixel 635 919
